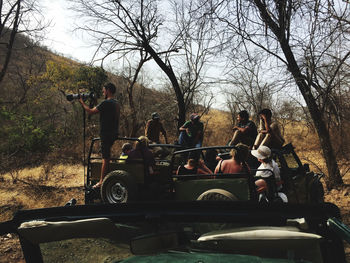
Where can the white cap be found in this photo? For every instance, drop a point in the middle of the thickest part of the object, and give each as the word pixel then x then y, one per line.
pixel 262 152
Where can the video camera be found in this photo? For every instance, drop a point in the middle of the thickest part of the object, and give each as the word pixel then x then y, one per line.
pixel 84 96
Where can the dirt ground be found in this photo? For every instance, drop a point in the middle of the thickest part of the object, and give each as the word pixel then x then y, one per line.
pixel 54 186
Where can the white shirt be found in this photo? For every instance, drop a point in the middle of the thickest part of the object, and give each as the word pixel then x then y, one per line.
pixel 272 166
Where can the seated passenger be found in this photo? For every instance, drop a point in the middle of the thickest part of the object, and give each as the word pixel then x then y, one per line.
pixel 268 165
pixel 269 132
pixel 237 163
pixel 210 158
pixel 245 131
pixel 142 152
pixel 193 166
pixel 126 148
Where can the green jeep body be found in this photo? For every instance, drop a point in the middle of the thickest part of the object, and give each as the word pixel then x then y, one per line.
pixel 129 180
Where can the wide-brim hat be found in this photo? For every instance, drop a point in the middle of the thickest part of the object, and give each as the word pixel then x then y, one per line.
pixel 262 152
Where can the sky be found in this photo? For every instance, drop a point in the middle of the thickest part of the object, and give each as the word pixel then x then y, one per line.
pixel 60 36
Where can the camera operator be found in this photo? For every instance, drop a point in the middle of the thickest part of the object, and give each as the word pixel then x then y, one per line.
pixel 109 111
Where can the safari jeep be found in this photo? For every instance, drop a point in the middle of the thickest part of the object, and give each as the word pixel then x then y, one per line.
pixel 129 180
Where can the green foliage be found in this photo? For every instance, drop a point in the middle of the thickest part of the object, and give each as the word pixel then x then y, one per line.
pixel 91 78
pixel 23 133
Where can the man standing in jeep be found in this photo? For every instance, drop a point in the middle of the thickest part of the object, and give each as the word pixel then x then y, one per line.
pixel 191 133
pixel 153 129
pixel 109 111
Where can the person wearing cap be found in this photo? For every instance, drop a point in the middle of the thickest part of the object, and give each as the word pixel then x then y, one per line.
pixel 269 131
pixel 268 166
pixel 109 111
pixel 153 129
pixel 245 131
pixel 191 133
pixel 126 148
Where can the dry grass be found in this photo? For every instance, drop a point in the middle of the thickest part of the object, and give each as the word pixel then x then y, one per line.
pixel 44 186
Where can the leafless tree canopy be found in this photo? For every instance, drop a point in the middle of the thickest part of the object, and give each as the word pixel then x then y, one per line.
pixel 308 38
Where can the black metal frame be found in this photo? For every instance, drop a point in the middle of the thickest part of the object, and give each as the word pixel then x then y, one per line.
pixel 316 216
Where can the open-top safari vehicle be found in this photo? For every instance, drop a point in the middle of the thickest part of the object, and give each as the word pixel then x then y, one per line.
pixel 129 180
pixel 181 232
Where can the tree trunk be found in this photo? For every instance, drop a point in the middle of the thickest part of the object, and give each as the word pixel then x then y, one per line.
pixel 11 41
pixel 334 178
pixel 170 73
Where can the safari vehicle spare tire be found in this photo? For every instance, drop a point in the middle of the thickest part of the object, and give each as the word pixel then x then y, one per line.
pixel 118 187
pixel 217 195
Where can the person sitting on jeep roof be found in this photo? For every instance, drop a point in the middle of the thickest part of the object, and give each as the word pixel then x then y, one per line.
pixel 191 133
pixel 245 131
pixel 269 131
pixel 237 164
pixel 153 129
pixel 141 152
pixel 126 148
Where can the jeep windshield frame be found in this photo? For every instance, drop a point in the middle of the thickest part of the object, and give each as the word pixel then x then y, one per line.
pixel 244 213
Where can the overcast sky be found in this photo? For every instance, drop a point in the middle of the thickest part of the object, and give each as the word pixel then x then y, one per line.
pixel 61 37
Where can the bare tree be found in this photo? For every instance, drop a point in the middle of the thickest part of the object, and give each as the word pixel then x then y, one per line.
pixel 129 28
pixel 136 29
pixel 198 49
pixel 293 33
pixel 14 20
pixel 248 88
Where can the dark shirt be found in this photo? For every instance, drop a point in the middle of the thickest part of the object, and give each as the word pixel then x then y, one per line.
pixel 251 131
pixel 153 129
pixel 184 171
pixel 109 119
pixel 194 128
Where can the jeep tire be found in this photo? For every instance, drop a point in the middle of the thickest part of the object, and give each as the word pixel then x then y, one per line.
pixel 217 195
pixel 118 187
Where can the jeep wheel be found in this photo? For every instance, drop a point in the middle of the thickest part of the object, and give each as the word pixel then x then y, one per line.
pixel 217 195
pixel 118 187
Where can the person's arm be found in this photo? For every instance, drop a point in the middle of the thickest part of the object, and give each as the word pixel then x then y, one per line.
pixel 87 109
pixel 164 133
pixel 267 128
pixel 178 170
pixel 246 128
pixel 217 168
pixel 147 128
pixel 184 127
pixel 204 169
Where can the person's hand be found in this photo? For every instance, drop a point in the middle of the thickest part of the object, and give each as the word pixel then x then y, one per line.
pixel 235 128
